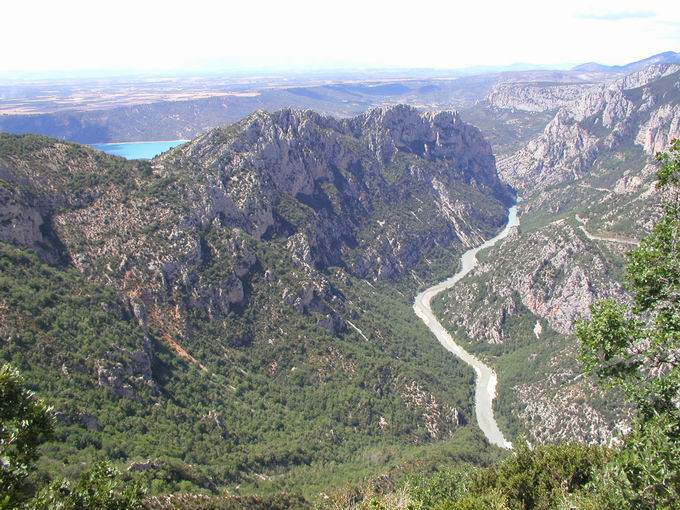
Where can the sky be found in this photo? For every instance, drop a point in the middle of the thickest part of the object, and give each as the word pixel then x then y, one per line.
pixel 198 35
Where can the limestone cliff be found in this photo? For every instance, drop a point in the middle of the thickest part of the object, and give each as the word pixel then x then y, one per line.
pixel 536 96
pixel 519 308
pixel 640 108
pixel 556 273
pixel 589 195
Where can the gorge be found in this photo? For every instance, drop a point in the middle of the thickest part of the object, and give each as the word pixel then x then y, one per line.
pixel 250 314
pixel 485 391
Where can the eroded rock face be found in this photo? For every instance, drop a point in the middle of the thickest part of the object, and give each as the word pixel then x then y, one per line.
pixel 532 289
pixel 296 152
pixel 20 223
pixel 536 96
pixel 588 184
pixel 336 170
pixel 662 127
pixel 25 203
pixel 641 108
pixel 440 418
pixel 556 274
pixel 562 407
pixel 124 372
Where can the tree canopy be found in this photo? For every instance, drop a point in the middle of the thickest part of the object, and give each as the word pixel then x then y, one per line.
pixel 25 422
pixel 636 346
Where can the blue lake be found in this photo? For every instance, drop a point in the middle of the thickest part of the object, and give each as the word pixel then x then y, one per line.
pixel 137 150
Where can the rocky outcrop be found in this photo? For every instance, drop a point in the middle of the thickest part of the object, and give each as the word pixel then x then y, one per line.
pixel 566 406
pixel 661 128
pixel 125 372
pixel 21 223
pixel 640 108
pixel 439 418
pixel 523 302
pixel 589 193
pixel 542 272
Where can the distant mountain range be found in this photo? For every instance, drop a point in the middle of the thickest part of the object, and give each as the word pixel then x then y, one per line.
pixel 667 57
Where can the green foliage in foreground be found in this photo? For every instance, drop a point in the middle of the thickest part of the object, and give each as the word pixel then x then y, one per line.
pixel 25 421
pixel 542 478
pixel 98 489
pixel 637 350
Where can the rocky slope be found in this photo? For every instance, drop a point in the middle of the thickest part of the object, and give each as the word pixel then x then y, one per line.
pixel 519 309
pixel 638 109
pixel 329 192
pixel 589 194
pixel 536 96
pixel 258 271
pixel 566 275
pixel 325 189
pixel 519 106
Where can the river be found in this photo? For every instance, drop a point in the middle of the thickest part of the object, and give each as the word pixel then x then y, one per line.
pixel 485 389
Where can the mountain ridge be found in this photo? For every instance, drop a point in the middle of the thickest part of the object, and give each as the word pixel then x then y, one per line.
pixel 666 57
pixel 264 271
pixel 600 120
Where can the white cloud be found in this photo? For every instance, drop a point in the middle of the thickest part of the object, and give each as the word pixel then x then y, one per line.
pixel 154 35
pixel 617 15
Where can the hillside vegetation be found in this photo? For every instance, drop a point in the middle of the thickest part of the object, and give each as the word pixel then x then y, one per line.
pixel 236 313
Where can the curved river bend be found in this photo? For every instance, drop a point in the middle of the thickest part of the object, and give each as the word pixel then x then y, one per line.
pixel 485 390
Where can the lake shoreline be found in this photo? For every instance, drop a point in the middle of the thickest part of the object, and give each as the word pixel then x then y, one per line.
pixel 137 150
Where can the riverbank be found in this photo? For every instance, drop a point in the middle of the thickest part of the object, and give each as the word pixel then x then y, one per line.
pixel 486 379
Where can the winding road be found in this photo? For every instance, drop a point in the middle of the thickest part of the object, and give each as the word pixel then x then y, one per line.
pixel 610 239
pixel 485 390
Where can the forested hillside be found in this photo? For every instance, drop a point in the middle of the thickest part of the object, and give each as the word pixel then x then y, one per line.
pixel 237 311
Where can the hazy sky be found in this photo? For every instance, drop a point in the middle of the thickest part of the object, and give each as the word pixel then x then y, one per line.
pixel 147 35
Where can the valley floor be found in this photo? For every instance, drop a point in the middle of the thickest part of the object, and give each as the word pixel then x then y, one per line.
pixel 485 391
